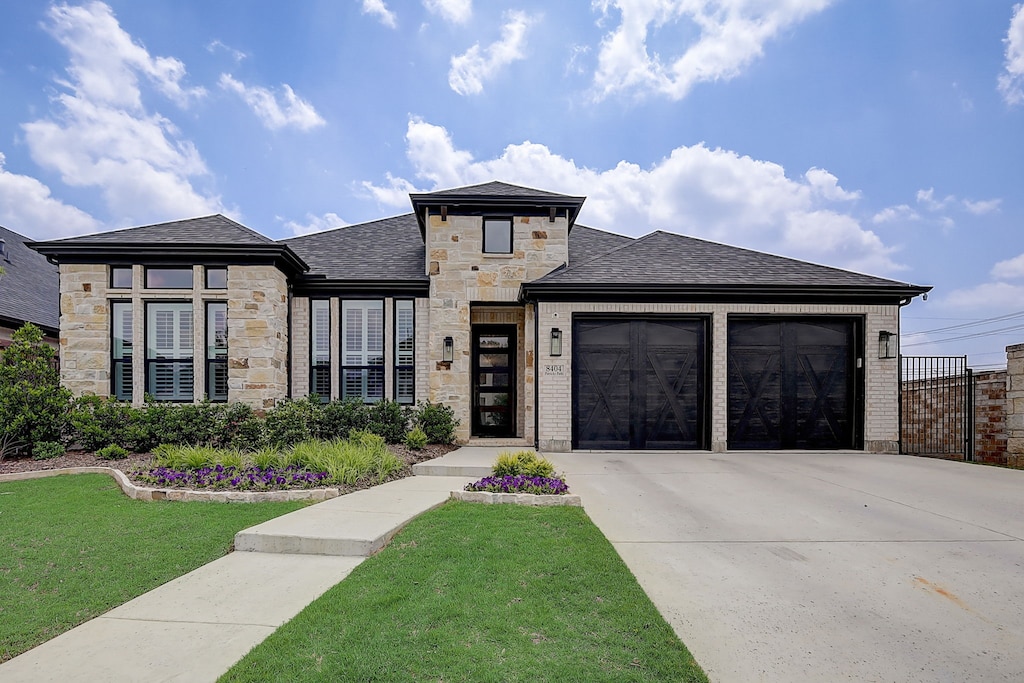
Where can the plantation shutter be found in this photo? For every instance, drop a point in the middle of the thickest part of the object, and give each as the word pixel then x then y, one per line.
pixel 169 351
pixel 405 339
pixel 320 348
pixel 363 349
pixel 121 353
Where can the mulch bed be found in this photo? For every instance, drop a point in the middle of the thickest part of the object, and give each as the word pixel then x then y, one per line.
pixel 144 460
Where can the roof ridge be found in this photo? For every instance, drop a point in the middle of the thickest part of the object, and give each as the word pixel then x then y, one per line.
pixel 344 227
pixel 633 242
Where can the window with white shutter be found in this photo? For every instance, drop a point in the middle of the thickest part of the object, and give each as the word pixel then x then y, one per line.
pixel 217 351
pixel 169 343
pixel 121 350
pixel 405 343
pixel 362 350
pixel 320 349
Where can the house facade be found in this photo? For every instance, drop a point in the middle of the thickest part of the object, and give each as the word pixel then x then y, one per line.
pixel 492 300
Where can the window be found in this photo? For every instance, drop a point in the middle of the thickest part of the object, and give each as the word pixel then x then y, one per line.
pixel 362 350
pixel 217 351
pixel 121 277
pixel 320 349
pixel 216 278
pixel 497 235
pixel 169 339
pixel 168 278
pixel 405 341
pixel 121 350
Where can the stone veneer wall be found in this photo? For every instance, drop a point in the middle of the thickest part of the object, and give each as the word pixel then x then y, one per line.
pixel 84 329
pixel 257 335
pixel 461 276
pixel 881 404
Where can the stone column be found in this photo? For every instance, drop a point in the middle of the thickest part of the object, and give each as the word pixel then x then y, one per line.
pixel 1015 405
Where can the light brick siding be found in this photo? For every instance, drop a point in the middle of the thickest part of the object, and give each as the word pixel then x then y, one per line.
pixel 300 346
pixel 881 418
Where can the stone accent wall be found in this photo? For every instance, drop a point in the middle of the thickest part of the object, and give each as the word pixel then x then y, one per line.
pixel 461 275
pixel 84 329
pixel 881 418
pixel 257 335
pixel 1015 405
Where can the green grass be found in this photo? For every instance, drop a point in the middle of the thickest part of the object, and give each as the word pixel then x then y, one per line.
pixel 481 593
pixel 73 547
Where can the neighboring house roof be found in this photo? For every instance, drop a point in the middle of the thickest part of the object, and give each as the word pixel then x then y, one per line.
pixel 496 196
pixel 670 265
pixel 213 237
pixel 383 253
pixel 29 288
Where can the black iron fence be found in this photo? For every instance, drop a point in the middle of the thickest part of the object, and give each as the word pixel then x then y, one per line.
pixel 937 407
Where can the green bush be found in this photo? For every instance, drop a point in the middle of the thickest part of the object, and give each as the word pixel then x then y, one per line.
pixel 250 434
pixel 234 424
pixel 437 421
pixel 33 405
pixel 388 419
pixel 112 452
pixel 292 421
pixel 337 419
pixel 184 423
pixel 416 439
pixel 45 450
pixel 97 422
pixel 522 462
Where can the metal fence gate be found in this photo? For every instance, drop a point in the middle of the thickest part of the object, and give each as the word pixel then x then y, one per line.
pixel 937 407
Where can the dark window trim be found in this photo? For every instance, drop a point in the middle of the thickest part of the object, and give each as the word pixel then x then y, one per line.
pixel 145 351
pixel 317 368
pixel 371 370
pixel 206 275
pixel 145 278
pixel 214 361
pixel 115 362
pixel 412 366
pixel 131 276
pixel 511 233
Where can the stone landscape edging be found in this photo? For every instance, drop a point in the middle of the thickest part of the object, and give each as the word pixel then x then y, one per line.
pixel 185 495
pixel 518 498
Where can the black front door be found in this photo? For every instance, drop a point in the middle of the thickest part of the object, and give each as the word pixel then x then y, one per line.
pixel 494 380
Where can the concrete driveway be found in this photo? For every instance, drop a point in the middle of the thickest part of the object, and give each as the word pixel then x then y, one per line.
pixel 803 566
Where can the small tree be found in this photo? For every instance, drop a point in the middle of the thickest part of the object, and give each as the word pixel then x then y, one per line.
pixel 33 404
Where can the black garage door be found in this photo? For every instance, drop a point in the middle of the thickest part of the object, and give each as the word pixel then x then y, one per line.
pixel 639 383
pixel 793 383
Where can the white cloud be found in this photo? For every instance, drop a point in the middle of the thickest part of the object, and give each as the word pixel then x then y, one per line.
pixel 1011 82
pixel 454 11
pixel 980 208
pixel 100 134
pixel 294 111
pixel 469 70
pixel 987 296
pixel 827 185
pixel 712 193
pixel 891 214
pixel 236 55
pixel 927 199
pixel 379 9
pixel 26 207
pixel 315 224
pixel 106 62
pixel 1009 269
pixel 730 34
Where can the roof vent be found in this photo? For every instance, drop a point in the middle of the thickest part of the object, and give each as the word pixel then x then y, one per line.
pixel 3 251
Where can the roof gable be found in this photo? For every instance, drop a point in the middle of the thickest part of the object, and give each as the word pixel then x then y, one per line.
pixel 215 229
pixel 29 287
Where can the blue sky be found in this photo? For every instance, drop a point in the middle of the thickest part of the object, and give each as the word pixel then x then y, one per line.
pixel 884 137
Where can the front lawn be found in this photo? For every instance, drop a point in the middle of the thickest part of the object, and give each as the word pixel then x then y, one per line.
pixel 73 547
pixel 481 593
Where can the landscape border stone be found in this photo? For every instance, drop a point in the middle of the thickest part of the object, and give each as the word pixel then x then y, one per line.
pixel 185 495
pixel 518 498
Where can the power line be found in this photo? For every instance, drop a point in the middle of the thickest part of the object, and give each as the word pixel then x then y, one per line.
pixel 975 335
pixel 983 321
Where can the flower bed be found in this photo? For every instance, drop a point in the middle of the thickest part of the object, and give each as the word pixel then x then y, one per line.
pixel 251 478
pixel 521 483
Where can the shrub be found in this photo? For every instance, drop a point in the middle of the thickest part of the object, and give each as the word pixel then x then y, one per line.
pixel 291 421
pixel 337 419
pixel 33 405
pixel 388 419
pixel 112 452
pixel 437 421
pixel 524 463
pixel 416 439
pixel 250 434
pixel 232 419
pixel 187 423
pixel 97 422
pixel 45 450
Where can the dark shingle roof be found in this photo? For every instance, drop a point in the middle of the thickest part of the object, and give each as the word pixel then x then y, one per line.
pixel 589 243
pixel 29 288
pixel 495 188
pixel 387 249
pixel 669 261
pixel 215 229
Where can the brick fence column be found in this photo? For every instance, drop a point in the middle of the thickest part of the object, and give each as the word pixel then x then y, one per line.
pixel 1015 405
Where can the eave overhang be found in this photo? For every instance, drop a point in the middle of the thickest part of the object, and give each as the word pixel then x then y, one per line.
pixel 319 286
pixel 470 204
pixel 15 323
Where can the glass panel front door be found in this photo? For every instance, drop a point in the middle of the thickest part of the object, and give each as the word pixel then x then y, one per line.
pixel 494 381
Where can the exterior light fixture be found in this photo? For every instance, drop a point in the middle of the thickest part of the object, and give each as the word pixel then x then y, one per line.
pixel 556 341
pixel 448 355
pixel 887 344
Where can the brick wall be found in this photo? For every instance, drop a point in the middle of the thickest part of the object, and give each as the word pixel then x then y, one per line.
pixel 990 417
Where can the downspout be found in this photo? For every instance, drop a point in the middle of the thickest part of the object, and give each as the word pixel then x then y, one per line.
pixel 899 375
pixel 536 376
pixel 288 360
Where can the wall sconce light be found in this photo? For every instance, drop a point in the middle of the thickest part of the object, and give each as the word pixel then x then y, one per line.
pixel 448 354
pixel 556 341
pixel 887 344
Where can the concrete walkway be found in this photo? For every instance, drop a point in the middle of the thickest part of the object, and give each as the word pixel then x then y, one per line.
pixel 199 625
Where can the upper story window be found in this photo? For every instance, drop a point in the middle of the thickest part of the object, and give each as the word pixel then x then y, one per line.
pixel 217 278
pixel 169 278
pixel 497 235
pixel 121 277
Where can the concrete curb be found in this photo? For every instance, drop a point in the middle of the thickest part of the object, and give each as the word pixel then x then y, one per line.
pixel 185 495
pixel 517 498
